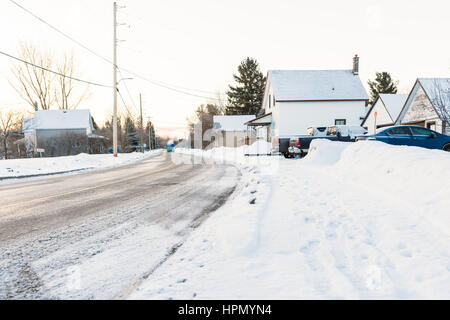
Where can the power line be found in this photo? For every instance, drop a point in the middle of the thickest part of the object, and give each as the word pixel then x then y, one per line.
pixel 128 91
pixel 61 32
pixel 54 72
pixel 125 105
pixel 90 50
pixel 154 82
pixel 167 87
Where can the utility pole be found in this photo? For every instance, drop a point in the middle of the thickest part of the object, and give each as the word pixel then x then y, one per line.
pixel 142 125
pixel 115 82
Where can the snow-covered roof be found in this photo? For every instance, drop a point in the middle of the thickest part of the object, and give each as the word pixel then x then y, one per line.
pixel 312 85
pixel 232 123
pixel 62 119
pixel 394 103
pixel 438 90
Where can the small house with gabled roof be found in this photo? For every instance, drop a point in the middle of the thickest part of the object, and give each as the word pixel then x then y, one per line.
pixel 428 105
pixel 387 108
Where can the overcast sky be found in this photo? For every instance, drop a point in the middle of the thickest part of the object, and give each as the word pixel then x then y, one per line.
pixel 199 44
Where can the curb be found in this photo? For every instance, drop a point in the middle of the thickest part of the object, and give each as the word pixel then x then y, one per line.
pixel 42 174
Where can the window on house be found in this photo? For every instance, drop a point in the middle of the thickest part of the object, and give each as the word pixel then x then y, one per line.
pixel 270 101
pixel 274 101
pixel 340 122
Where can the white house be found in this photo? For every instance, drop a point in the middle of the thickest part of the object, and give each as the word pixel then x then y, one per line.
pixel 387 107
pixel 428 105
pixel 51 124
pixel 232 130
pixel 295 100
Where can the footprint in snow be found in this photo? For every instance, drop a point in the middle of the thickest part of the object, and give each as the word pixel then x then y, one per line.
pixel 309 220
pixel 331 235
pixel 407 254
pixel 310 246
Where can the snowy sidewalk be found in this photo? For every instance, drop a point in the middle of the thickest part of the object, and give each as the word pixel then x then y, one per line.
pixel 27 168
pixel 351 221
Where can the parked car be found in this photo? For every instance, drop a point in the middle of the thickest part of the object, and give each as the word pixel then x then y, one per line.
pixel 170 147
pixel 294 146
pixel 411 136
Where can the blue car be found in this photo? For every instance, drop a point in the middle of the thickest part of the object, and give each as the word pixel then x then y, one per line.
pixel 170 147
pixel 411 136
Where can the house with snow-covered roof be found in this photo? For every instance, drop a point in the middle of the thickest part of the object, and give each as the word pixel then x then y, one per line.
pixel 47 126
pixel 232 130
pixel 295 100
pixel 428 105
pixel 387 108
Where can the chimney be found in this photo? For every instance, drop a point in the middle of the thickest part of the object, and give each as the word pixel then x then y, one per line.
pixel 356 65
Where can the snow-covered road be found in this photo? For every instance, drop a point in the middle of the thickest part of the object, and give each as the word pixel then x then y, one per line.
pixel 351 221
pixel 95 235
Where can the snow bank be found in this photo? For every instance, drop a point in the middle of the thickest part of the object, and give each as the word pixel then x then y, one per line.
pixel 325 152
pixel 417 177
pixel 41 166
pixel 359 220
pixel 260 147
pixel 241 156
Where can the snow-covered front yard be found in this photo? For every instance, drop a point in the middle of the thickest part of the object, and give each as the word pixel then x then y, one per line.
pixel 352 221
pixel 17 168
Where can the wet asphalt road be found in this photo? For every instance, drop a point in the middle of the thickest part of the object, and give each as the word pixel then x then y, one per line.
pixel 114 225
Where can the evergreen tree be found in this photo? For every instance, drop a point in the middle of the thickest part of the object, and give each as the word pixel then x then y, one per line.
pixel 150 133
pixel 383 83
pixel 246 97
pixel 132 138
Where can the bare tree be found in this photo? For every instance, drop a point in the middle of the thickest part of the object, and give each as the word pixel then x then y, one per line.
pixel 10 122
pixel 33 84
pixel 44 90
pixel 441 99
pixel 67 93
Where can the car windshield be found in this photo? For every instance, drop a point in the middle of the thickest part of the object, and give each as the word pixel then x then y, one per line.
pixel 398 131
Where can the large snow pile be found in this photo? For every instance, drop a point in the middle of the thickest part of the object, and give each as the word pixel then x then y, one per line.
pixel 240 156
pixel 260 147
pixel 417 177
pixel 350 221
pixel 325 152
pixel 40 166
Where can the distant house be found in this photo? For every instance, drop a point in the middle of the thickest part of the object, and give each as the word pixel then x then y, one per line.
pixel 387 107
pixel 295 100
pixel 59 132
pixel 232 131
pixel 428 105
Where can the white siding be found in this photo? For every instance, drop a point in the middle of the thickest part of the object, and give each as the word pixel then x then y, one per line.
pixel 293 118
pixel 383 118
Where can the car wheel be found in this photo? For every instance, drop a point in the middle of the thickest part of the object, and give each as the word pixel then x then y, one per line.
pixel 446 147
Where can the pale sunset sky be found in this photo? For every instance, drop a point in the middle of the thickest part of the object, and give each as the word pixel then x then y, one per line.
pixel 199 44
